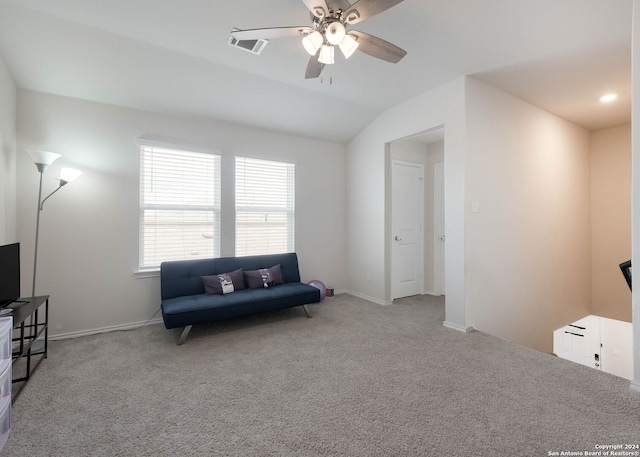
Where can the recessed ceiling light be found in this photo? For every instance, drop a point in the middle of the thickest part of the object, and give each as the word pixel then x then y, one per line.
pixel 608 98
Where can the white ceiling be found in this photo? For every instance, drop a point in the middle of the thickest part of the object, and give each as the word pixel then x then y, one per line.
pixel 172 56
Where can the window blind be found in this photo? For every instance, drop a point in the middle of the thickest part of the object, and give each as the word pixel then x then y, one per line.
pixel 179 205
pixel 264 206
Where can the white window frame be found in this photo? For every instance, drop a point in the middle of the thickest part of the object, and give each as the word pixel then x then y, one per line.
pixel 213 202
pixel 275 203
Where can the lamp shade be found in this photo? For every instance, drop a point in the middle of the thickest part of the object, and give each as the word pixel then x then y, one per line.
pixel 326 54
pixel 348 45
pixel 68 174
pixel 43 159
pixel 312 42
pixel 335 33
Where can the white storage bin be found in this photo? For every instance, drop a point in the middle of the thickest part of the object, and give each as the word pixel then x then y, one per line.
pixel 6 327
pixel 5 378
pixel 5 420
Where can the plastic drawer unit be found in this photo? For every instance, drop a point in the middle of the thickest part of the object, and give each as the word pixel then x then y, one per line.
pixel 6 326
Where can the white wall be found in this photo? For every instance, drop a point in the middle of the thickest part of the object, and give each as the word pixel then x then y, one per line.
pixel 528 246
pixel 635 186
pixel 368 220
pixel 8 94
pixel 610 221
pixel 89 230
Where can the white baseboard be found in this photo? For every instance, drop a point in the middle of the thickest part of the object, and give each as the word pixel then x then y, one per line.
pixel 635 386
pixel 366 297
pixel 134 325
pixel 459 328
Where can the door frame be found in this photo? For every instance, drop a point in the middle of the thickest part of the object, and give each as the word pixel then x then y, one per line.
pixel 439 245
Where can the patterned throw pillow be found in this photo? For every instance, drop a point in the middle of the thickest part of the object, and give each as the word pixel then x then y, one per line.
pixel 224 283
pixel 264 277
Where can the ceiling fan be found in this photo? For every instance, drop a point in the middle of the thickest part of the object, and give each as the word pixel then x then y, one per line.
pixel 330 20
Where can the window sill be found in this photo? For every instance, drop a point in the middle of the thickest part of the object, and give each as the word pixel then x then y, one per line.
pixel 139 274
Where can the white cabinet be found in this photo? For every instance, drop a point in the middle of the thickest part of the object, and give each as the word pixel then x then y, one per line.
pixel 597 342
pixel 6 326
pixel 579 342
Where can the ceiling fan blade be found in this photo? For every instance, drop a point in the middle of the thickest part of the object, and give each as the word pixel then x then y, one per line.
pixel 318 8
pixel 314 68
pixel 272 32
pixel 377 47
pixel 363 9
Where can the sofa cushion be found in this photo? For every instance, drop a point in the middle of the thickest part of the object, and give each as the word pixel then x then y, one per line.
pixel 194 309
pixel 264 277
pixel 224 283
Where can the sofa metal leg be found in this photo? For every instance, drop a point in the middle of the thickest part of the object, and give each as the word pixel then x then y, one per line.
pixel 183 335
pixel 306 311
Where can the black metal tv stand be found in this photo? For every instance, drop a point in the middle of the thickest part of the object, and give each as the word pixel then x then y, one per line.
pixel 29 324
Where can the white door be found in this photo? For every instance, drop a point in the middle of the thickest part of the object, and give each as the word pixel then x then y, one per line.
pixel 438 229
pixel 407 201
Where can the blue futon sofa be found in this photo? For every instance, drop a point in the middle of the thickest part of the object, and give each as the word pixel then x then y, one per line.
pixel 235 286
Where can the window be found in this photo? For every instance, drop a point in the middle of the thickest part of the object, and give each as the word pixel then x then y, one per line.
pixel 264 207
pixel 179 205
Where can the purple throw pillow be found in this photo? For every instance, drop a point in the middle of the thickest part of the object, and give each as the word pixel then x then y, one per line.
pixel 264 277
pixel 224 283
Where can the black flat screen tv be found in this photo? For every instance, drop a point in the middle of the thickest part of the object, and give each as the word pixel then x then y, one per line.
pixel 626 272
pixel 9 274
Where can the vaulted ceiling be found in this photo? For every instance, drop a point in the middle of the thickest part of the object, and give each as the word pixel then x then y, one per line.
pixel 172 56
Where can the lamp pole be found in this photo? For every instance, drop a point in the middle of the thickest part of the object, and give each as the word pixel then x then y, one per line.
pixel 35 252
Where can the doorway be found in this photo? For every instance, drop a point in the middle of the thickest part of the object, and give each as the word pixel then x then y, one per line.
pixel 427 150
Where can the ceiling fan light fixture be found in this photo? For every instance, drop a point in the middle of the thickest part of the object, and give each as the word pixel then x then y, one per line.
pixel 326 54
pixel 335 33
pixel 348 45
pixel 312 42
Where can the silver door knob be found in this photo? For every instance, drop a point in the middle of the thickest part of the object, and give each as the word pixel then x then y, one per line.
pixel 398 238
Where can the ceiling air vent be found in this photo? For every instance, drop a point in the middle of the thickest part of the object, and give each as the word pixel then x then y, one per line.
pixel 252 46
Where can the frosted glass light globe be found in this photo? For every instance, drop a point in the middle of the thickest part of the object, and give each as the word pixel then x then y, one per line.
pixel 335 33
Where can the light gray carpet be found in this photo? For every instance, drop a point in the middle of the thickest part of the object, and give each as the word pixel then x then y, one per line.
pixel 358 379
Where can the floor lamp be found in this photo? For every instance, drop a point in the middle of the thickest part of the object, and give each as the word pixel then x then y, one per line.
pixel 43 159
